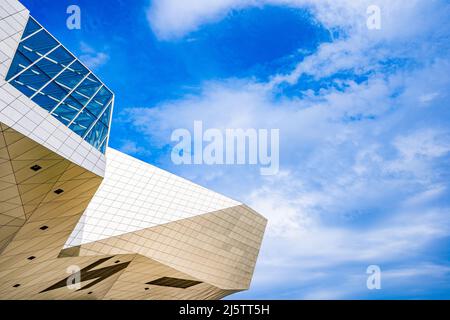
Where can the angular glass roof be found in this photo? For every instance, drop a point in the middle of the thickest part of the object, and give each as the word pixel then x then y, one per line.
pixel 51 76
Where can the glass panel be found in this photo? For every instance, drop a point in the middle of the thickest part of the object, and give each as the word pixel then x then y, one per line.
pixel 55 91
pixel 103 147
pixel 103 96
pixel 80 98
pixel 95 108
pixel 99 102
pixel 106 115
pixel 53 97
pixel 19 63
pixel 82 122
pixel 37 45
pixel 45 101
pixel 79 68
pixel 61 56
pixel 97 134
pixel 48 67
pixel 31 27
pixel 69 78
pixel 89 86
pixel 33 77
pixel 66 111
pixel 22 88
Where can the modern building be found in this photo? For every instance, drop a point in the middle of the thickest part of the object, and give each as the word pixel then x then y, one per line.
pixel 79 220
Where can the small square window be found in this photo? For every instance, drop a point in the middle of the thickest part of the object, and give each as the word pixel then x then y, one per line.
pixel 31 258
pixel 43 228
pixel 36 167
pixel 16 285
pixel 59 191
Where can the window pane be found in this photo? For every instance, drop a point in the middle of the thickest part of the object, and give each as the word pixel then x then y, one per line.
pixel 45 101
pixel 97 134
pixel 89 86
pixel 50 80
pixel 22 87
pixel 103 147
pixel 48 67
pixel 19 63
pixel 69 78
pixel 103 96
pixel 55 91
pixel 66 111
pixel 95 108
pixel 37 45
pixel 106 115
pixel 82 122
pixel 61 56
pixel 77 67
pixel 33 78
pixel 31 27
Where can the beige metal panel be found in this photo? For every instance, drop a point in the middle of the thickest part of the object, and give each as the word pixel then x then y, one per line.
pixel 214 253
pixel 39 187
pixel 220 248
pixel 36 221
pixel 44 280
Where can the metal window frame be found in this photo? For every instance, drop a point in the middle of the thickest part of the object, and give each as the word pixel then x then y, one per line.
pixel 33 63
pixel 85 105
pixel 70 92
pixel 109 104
pixel 53 79
pixel 98 118
pixel 32 34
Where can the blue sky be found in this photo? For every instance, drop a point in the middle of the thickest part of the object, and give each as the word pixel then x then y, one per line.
pixel 363 115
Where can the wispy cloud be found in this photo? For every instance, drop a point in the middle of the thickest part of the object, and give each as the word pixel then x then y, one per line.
pixel 131 147
pixel 176 18
pixel 92 58
pixel 363 162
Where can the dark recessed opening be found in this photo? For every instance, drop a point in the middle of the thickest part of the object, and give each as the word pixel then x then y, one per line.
pixel 59 191
pixel 117 261
pixel 36 167
pixel 31 258
pixel 146 289
pixel 174 282
pixel 43 228
pixel 16 285
pixel 90 292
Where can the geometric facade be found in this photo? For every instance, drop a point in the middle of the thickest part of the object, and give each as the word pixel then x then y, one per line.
pixel 79 220
pixel 47 73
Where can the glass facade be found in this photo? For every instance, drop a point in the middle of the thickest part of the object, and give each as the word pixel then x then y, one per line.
pixel 47 73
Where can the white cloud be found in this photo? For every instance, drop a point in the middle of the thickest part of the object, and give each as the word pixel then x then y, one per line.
pixel 131 147
pixel 420 270
pixel 429 143
pixel 175 18
pixel 355 152
pixel 91 58
pixel 429 97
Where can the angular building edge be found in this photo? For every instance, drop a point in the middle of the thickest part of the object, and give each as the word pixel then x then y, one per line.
pixel 173 240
